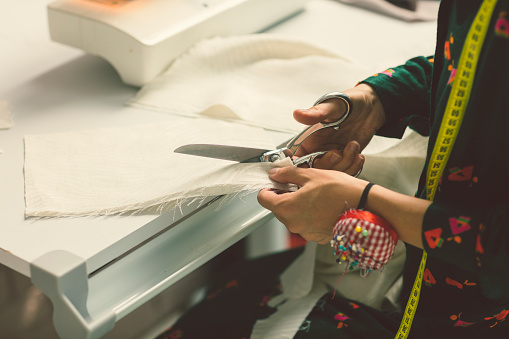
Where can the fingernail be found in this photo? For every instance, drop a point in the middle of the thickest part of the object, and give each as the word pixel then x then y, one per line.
pixel 273 170
pixel 352 147
pixel 334 158
pixel 359 159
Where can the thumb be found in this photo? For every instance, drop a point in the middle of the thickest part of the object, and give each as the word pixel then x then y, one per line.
pixel 323 112
pixel 289 175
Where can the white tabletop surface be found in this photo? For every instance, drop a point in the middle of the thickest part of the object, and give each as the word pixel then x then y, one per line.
pixel 55 88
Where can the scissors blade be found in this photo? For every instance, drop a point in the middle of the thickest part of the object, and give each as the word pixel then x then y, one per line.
pixel 225 152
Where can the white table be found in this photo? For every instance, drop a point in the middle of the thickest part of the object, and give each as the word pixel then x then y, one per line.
pixel 54 88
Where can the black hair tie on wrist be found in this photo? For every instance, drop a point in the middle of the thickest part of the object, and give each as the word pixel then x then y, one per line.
pixel 364 196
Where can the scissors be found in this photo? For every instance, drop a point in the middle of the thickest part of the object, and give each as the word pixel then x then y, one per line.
pixel 250 155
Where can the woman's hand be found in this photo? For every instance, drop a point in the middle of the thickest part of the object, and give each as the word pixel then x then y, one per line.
pixel 346 144
pixel 313 210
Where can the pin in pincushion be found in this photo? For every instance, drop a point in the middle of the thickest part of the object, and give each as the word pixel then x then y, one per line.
pixel 363 240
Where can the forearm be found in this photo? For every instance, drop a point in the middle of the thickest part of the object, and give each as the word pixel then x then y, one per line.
pixel 404 213
pixel 404 93
pixel 368 105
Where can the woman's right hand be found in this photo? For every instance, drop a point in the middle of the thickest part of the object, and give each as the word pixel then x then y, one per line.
pixel 345 144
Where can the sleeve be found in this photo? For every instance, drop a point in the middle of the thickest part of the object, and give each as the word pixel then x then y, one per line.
pixel 476 240
pixel 405 95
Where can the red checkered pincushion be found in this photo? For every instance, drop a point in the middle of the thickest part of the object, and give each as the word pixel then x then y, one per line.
pixel 364 240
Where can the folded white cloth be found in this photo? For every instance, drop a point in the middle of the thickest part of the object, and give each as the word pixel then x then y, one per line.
pixel 129 169
pixel 254 79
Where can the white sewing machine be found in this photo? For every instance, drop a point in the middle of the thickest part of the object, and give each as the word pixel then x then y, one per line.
pixel 140 38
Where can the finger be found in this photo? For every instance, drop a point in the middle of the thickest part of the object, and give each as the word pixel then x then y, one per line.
pixel 268 198
pixel 289 175
pixel 324 239
pixel 273 201
pixel 329 160
pixel 356 167
pixel 326 111
pixel 350 154
pixel 309 116
pixel 319 237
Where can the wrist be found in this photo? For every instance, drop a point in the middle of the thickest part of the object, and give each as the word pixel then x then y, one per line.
pixel 364 196
pixel 403 212
pixel 370 104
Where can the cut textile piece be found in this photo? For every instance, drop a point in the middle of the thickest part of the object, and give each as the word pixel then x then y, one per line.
pixel 129 169
pixel 255 79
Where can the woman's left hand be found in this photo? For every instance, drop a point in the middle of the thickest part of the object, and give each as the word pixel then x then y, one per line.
pixel 312 210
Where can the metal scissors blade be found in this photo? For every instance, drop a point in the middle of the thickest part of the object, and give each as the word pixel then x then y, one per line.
pixel 245 154
pixel 225 152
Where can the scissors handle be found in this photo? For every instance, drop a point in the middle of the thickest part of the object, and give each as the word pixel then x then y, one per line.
pixel 336 95
pixel 308 159
pixel 295 143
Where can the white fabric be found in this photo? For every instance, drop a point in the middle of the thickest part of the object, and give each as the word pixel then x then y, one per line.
pixel 5 115
pixel 256 79
pixel 395 164
pixel 298 299
pixel 117 170
pixel 424 10
pixel 259 77
pixel 314 273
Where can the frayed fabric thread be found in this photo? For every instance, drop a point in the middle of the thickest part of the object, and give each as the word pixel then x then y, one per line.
pixel 134 169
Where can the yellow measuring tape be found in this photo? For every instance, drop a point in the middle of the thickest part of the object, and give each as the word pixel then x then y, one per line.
pixel 449 129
